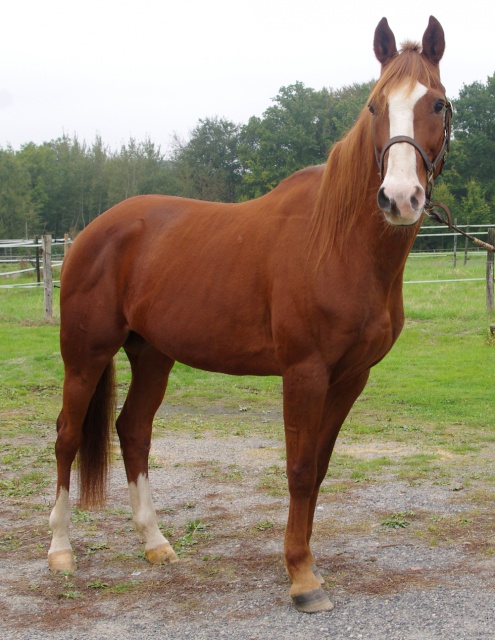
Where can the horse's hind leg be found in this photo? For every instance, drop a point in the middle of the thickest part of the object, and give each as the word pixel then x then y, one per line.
pixel 83 388
pixel 150 370
pixel 305 388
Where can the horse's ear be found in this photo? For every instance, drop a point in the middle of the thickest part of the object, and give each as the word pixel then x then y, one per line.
pixel 384 42
pixel 433 41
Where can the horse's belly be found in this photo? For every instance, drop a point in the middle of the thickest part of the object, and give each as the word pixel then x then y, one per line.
pixel 238 342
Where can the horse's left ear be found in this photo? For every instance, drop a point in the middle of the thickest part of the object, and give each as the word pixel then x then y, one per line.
pixel 433 41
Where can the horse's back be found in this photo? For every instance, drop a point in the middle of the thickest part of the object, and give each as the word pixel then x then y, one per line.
pixel 161 218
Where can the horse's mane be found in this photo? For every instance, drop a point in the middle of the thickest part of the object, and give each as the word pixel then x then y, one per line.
pixel 346 186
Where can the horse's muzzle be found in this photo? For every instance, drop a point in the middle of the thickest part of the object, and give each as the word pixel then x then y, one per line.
pixel 402 208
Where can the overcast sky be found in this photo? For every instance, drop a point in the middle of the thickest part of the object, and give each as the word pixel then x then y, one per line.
pixel 122 68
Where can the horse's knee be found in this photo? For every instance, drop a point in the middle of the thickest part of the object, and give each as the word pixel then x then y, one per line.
pixel 301 478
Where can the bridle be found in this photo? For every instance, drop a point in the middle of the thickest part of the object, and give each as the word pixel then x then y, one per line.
pixel 433 168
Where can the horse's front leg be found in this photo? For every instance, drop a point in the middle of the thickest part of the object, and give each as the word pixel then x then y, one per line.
pixel 338 402
pixel 150 370
pixel 305 390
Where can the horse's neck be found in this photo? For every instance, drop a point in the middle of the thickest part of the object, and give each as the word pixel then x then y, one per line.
pixel 370 239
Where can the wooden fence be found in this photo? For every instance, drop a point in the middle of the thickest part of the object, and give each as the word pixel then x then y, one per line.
pixel 20 252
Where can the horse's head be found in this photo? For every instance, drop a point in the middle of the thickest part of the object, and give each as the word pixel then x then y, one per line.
pixel 411 121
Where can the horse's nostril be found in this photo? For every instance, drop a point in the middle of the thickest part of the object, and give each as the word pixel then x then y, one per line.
pixel 414 203
pixel 383 200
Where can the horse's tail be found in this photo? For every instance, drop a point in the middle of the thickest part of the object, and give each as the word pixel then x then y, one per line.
pixel 95 450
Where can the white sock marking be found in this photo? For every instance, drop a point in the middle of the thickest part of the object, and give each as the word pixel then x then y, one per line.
pixel 144 513
pixel 59 523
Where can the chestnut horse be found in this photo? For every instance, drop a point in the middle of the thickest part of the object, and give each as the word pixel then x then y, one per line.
pixel 304 282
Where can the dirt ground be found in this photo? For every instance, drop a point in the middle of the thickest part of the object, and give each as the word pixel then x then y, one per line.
pixel 428 573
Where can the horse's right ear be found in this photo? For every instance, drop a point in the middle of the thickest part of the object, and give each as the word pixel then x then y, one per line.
pixel 384 42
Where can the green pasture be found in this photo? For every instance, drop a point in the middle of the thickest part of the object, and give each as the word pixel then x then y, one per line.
pixel 433 391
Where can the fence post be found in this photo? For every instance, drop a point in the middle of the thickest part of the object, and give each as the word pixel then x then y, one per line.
pixel 66 244
pixel 489 272
pixel 466 247
pixel 37 258
pixel 455 245
pixel 47 275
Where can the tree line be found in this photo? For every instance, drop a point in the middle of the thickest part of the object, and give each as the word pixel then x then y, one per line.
pixel 63 184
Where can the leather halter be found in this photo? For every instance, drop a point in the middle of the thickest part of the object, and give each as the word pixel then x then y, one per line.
pixel 433 168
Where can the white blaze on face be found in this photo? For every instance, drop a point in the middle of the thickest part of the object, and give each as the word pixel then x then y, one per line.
pixel 401 185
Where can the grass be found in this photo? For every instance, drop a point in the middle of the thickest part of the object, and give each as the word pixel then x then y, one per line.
pixel 397 520
pixel 195 530
pixel 433 392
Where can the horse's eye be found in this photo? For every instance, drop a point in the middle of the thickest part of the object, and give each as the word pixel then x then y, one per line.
pixel 439 106
pixel 371 108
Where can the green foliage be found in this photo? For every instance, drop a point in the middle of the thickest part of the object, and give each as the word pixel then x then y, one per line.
pixel 264 525
pixel 472 158
pixel 295 132
pixel 62 185
pixel 474 128
pixel 97 584
pixel 194 530
pixel 443 194
pixel 16 209
pixel 208 166
pixel 474 206
pixel 292 134
pixel 397 520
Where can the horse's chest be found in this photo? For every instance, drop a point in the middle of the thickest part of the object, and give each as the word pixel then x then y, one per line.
pixel 379 334
pixel 362 342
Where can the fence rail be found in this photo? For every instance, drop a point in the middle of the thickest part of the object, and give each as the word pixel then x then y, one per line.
pixel 11 254
pixel 43 264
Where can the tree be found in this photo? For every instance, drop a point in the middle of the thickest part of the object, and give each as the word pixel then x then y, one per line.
pixel 97 175
pixel 40 163
pixel 207 165
pixel 138 168
pixel 17 214
pixel 295 132
pixel 475 207
pixel 474 130
pixel 291 134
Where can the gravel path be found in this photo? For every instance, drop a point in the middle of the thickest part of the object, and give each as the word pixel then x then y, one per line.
pixel 434 579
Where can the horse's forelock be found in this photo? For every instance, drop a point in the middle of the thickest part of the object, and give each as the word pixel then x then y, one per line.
pixel 405 70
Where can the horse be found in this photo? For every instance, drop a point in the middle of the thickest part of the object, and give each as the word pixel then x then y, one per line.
pixel 304 282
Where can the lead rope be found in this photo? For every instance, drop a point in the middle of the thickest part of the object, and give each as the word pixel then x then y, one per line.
pixel 435 215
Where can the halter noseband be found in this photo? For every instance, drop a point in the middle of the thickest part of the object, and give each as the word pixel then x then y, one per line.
pixel 432 170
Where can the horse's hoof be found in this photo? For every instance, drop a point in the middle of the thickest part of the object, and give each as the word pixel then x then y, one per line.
pixel 163 554
pixel 318 575
pixel 59 561
pixel 312 601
